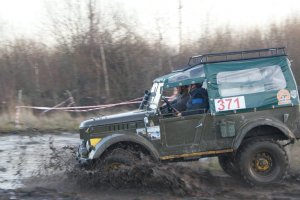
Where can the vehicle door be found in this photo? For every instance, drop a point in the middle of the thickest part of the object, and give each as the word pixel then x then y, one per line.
pixel 181 135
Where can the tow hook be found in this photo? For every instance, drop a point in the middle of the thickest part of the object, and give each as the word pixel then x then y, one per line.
pixel 83 152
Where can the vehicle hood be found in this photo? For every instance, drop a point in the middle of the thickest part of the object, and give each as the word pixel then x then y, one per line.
pixel 136 115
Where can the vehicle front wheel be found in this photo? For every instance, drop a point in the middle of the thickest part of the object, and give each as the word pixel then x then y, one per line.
pixel 117 158
pixel 262 161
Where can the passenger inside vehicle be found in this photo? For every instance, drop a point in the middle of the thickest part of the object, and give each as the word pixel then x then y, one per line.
pixel 198 100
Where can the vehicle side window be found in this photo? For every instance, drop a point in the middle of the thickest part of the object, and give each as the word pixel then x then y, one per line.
pixel 249 81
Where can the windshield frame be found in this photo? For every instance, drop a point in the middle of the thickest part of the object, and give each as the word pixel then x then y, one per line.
pixel 155 96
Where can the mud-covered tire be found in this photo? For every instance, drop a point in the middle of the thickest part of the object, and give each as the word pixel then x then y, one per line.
pixel 262 161
pixel 229 166
pixel 117 158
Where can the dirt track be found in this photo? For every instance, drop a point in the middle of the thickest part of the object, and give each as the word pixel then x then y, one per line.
pixel 38 167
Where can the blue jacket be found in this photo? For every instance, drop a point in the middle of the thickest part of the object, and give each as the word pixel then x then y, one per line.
pixel 198 102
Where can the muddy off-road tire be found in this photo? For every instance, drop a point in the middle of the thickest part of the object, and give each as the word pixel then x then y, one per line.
pixel 229 166
pixel 117 158
pixel 262 161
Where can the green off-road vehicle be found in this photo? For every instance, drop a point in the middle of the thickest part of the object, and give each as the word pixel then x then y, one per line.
pixel 253 113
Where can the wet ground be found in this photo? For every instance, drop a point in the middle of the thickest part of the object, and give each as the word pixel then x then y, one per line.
pixel 42 166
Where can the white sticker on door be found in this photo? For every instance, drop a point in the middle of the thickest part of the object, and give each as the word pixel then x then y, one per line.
pixel 230 103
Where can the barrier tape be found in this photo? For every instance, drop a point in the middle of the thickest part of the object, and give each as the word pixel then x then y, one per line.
pixel 17 118
pixel 87 110
pixel 58 105
pixel 82 108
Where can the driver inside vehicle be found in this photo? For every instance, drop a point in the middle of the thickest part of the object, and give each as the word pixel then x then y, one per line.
pixel 179 103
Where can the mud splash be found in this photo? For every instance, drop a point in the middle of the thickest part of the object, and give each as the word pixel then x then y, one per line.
pixel 173 179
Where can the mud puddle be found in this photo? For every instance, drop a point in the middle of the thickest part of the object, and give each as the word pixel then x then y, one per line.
pixel 43 167
pixel 23 155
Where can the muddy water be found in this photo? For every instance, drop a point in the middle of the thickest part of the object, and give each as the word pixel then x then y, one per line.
pixel 23 156
pixel 37 166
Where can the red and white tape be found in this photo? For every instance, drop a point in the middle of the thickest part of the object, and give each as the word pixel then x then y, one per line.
pixel 82 108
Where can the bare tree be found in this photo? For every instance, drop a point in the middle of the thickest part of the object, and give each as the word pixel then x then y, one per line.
pixel 180 25
pixel 93 31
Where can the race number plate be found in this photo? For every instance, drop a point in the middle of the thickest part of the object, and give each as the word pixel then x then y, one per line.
pixel 231 103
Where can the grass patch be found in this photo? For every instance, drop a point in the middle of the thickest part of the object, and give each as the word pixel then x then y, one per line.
pixel 52 121
pixel 28 120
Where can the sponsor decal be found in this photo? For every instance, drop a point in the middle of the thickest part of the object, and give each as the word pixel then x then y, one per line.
pixel 152 132
pixel 284 97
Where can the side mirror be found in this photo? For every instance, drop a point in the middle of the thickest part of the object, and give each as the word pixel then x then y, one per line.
pixel 147 92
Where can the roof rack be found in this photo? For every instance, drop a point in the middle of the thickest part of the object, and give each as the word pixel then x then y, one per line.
pixel 236 55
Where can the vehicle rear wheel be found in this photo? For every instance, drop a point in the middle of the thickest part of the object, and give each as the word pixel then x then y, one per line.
pixel 228 164
pixel 262 161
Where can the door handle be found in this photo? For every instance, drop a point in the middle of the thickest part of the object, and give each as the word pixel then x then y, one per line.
pixel 199 125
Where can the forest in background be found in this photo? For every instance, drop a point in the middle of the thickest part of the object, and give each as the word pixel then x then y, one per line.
pixel 102 61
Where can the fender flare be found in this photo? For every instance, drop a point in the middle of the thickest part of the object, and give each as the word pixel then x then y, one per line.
pixel 261 122
pixel 115 138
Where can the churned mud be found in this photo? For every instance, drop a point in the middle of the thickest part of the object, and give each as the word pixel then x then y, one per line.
pixel 43 166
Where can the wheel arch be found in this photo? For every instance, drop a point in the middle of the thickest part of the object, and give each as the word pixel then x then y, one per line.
pixel 117 140
pixel 263 127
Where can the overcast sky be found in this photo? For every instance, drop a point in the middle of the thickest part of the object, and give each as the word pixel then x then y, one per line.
pixel 27 17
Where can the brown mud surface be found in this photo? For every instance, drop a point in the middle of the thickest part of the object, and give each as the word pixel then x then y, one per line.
pixel 43 166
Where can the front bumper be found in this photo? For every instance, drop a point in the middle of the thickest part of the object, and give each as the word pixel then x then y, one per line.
pixel 83 161
pixel 82 154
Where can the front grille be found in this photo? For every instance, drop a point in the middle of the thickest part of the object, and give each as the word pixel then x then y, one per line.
pixel 118 127
pixel 82 133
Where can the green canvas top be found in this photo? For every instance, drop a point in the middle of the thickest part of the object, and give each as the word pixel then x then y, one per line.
pixel 256 83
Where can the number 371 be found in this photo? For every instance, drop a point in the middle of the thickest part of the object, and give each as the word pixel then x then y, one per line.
pixel 231 103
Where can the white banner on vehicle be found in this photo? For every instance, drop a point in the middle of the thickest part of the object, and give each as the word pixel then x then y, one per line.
pixel 230 103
